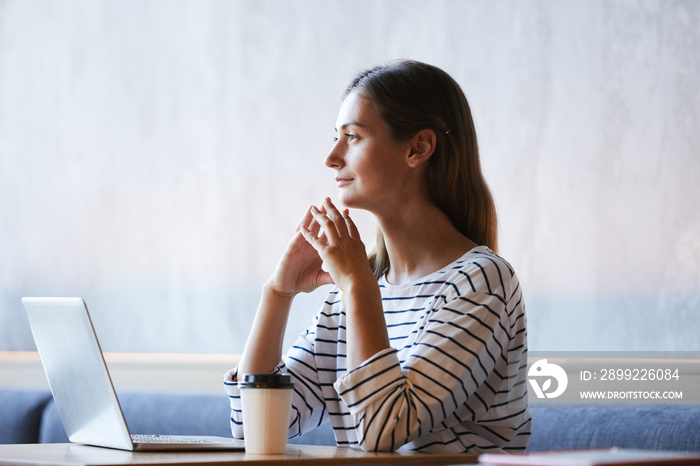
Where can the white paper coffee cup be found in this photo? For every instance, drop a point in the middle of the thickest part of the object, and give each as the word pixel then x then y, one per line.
pixel 266 401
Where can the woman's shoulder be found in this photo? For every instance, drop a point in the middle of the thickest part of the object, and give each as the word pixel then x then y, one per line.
pixel 483 256
pixel 481 270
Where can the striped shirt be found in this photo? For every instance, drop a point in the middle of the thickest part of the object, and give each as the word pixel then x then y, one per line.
pixel 452 381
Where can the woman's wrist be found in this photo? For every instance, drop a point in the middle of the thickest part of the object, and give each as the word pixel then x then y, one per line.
pixel 360 283
pixel 270 289
pixel 263 349
pixel 361 295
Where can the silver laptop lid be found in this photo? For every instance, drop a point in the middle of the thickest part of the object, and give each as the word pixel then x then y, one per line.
pixel 77 373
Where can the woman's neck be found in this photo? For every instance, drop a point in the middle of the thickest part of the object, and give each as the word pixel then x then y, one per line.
pixel 420 239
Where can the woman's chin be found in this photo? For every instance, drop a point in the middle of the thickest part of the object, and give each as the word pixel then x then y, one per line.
pixel 349 201
pixel 345 200
pixel 354 200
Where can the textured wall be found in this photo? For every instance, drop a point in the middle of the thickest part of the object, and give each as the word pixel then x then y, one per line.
pixel 155 156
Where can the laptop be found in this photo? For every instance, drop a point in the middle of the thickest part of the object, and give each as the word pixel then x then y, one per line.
pixel 82 387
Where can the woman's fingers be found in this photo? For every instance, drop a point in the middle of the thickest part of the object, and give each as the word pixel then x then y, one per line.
pixel 336 217
pixel 309 222
pixel 328 224
pixel 352 228
pixel 305 220
pixel 315 241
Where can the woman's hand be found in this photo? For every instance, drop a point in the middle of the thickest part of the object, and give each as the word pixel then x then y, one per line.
pixel 338 245
pixel 344 255
pixel 299 270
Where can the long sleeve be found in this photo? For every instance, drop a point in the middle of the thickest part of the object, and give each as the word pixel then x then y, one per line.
pixel 308 403
pixel 451 374
pixel 308 400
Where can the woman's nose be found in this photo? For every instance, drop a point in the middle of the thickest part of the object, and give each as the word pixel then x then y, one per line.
pixel 334 159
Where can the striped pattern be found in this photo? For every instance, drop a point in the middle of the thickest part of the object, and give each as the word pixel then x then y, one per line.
pixel 453 380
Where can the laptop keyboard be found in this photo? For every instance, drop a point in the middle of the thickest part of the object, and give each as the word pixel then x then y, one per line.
pixel 142 438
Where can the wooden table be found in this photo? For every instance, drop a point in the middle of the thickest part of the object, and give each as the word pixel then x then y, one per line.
pixel 64 454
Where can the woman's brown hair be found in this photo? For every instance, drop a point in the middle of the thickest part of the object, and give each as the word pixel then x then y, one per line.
pixel 411 96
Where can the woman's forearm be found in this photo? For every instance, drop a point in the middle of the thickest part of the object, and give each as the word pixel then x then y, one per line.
pixel 263 350
pixel 366 328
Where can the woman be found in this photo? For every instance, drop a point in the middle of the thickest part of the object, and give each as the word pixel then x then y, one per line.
pixel 423 346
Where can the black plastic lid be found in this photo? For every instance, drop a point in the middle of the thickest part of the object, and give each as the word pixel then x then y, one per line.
pixel 266 381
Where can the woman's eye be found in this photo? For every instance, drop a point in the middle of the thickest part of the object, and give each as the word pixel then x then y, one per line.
pixel 350 136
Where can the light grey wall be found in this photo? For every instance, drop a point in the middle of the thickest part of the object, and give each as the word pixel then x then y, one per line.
pixel 156 155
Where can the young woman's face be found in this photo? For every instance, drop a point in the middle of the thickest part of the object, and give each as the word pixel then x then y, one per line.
pixel 369 164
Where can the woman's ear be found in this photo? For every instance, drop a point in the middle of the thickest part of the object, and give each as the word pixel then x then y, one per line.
pixel 422 147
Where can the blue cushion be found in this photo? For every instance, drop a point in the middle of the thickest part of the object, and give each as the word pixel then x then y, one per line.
pixel 673 428
pixel 20 414
pixel 322 435
pixel 51 430
pixel 158 413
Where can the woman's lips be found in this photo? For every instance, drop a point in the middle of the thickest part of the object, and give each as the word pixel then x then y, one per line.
pixel 342 181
